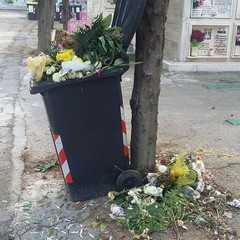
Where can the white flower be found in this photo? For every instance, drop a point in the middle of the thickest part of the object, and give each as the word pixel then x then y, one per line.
pixel 152 190
pixel 51 70
pixel 72 75
pixel 57 78
pixel 48 72
pixel 79 74
pixel 162 168
pixel 134 193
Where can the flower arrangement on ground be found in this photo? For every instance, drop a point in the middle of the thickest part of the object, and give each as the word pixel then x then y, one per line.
pixel 89 50
pixel 197 37
pixel 170 192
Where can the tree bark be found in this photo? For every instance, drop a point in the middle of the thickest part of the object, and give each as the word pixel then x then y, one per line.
pixel 45 23
pixel 65 13
pixel 147 77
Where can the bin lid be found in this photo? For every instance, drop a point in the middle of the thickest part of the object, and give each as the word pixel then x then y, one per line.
pixel 127 15
pixel 31 3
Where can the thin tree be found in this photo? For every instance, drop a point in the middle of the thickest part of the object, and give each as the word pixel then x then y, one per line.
pixel 65 13
pixel 145 96
pixel 45 23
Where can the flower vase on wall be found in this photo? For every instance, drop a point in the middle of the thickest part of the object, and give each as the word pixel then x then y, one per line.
pixel 194 51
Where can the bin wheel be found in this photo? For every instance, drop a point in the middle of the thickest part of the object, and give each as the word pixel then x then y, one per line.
pixel 129 179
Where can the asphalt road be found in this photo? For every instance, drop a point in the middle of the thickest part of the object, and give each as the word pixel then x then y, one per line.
pixel 191 118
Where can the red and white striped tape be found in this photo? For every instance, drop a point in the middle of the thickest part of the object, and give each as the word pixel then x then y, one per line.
pixel 124 132
pixel 62 158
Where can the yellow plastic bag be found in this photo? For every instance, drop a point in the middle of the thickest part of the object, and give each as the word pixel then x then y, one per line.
pixel 37 65
pixel 180 173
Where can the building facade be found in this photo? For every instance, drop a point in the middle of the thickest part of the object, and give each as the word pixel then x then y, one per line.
pixel 217 20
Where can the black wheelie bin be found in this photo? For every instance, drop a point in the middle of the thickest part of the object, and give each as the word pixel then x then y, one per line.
pixel 86 118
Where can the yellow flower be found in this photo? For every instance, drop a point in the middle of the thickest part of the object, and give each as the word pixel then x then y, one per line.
pixel 112 195
pixel 65 55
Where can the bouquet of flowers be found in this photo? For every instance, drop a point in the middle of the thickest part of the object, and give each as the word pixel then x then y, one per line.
pixel 170 190
pixel 196 38
pixel 91 49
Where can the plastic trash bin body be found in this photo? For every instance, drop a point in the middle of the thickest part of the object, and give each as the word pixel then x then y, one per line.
pixel 87 120
pixel 76 9
pixel 87 125
pixel 57 14
pixel 32 10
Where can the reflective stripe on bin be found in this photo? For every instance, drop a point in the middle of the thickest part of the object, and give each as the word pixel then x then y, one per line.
pixel 62 158
pixel 124 132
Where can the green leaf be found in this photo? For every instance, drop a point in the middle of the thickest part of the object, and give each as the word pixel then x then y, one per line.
pixel 102 227
pixel 44 166
pixel 102 40
pixel 118 62
pixel 111 44
pixel 107 21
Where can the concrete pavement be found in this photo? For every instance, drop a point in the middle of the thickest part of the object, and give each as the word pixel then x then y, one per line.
pixel 34 205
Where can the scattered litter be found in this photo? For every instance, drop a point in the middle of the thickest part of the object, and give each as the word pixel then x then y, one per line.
pixel 92 236
pixel 69 226
pixel 83 228
pixel 234 121
pixel 180 223
pixel 234 203
pixel 91 202
pixel 27 207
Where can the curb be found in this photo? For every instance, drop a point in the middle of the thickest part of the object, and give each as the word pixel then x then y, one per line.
pixel 13 8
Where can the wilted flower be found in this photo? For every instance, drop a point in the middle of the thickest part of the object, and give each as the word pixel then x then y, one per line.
pixel 116 211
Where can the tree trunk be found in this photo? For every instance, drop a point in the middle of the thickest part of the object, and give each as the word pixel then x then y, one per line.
pixel 45 23
pixel 145 96
pixel 65 13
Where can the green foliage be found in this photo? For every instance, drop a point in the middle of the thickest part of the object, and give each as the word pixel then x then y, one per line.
pixel 99 41
pixel 144 219
pixel 44 166
pixel 196 44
